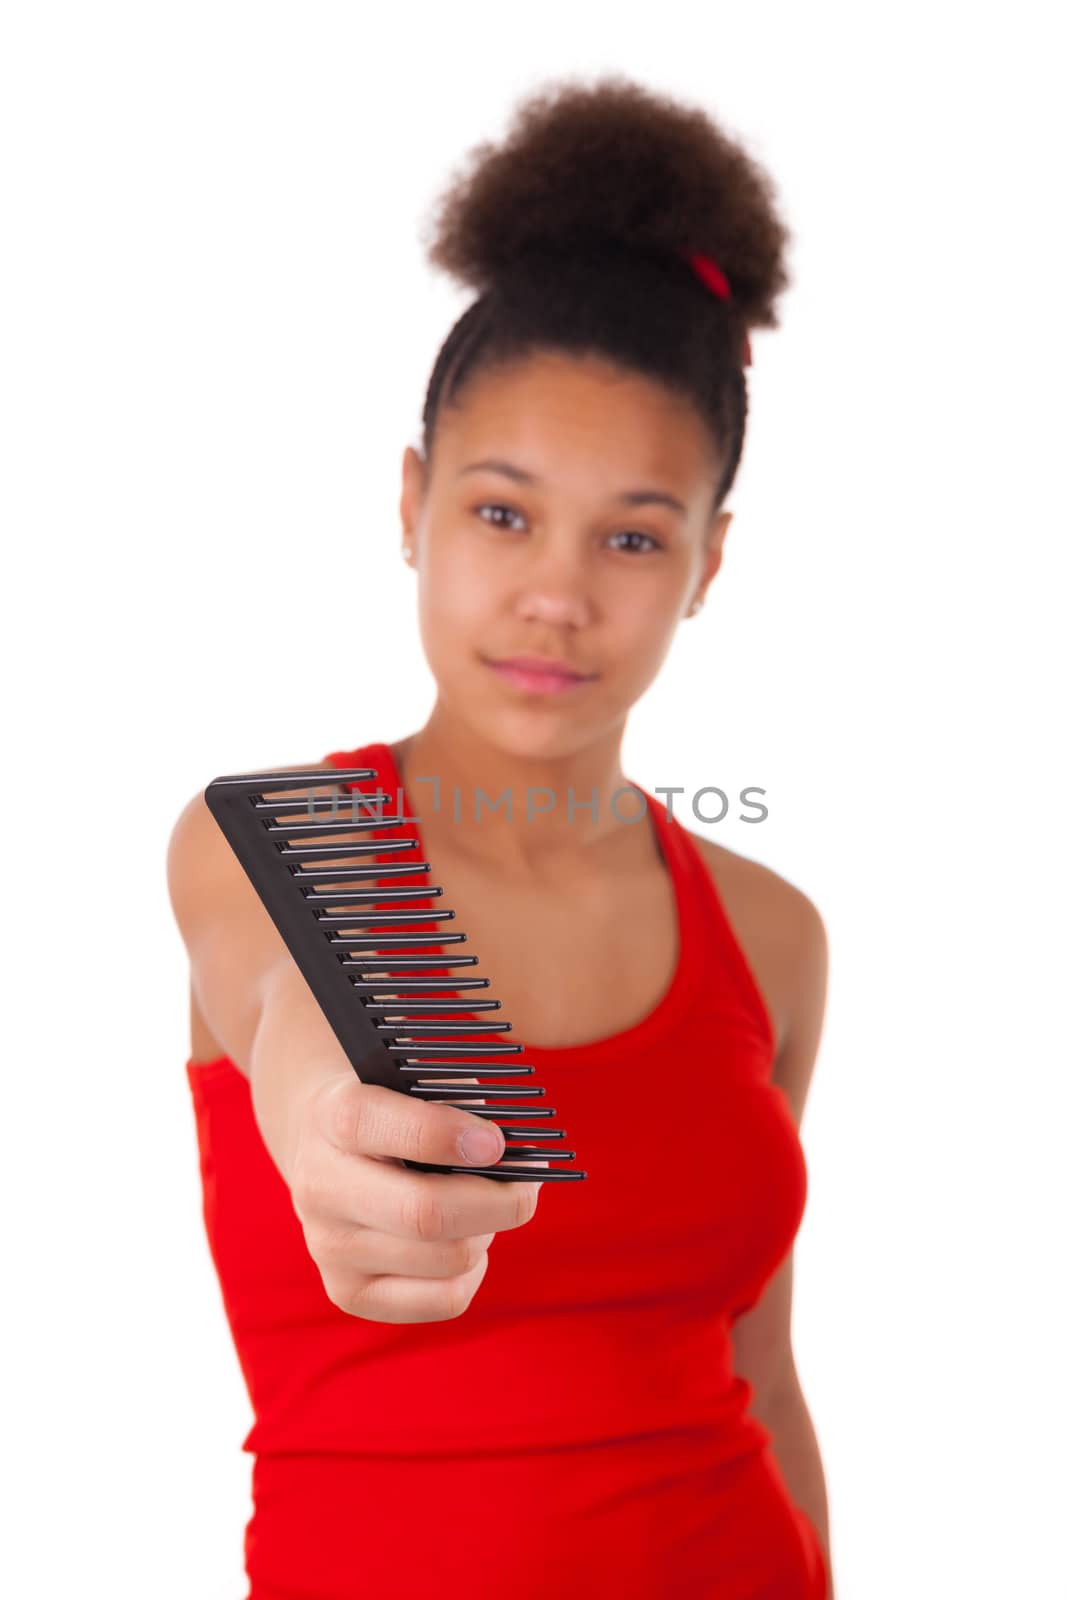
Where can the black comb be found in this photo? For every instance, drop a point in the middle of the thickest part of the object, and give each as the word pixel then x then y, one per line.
pixel 362 986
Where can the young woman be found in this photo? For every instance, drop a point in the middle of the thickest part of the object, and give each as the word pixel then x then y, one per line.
pixel 606 1401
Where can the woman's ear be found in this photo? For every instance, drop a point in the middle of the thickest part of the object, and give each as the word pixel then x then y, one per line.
pixel 413 488
pixel 719 526
pixel 713 543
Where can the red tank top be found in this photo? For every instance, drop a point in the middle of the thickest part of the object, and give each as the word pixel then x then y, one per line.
pixel 579 1429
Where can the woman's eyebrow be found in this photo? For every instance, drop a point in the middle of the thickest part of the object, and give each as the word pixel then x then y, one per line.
pixel 629 497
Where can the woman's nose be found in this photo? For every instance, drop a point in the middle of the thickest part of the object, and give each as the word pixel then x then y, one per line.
pixel 558 606
pixel 555 590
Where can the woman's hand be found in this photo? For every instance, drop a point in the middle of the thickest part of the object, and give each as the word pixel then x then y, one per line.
pixel 392 1244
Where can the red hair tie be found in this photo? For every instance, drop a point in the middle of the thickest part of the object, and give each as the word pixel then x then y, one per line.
pixel 714 277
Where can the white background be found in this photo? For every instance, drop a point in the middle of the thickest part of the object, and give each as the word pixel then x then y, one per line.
pixel 218 324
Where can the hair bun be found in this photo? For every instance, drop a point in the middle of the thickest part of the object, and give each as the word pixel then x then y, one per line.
pixel 612 165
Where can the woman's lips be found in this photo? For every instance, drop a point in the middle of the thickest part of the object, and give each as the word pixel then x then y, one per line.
pixel 535 679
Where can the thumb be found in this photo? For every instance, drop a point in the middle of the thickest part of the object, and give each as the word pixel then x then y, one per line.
pixel 369 1119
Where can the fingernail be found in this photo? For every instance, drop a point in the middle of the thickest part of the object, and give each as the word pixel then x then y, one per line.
pixel 481 1146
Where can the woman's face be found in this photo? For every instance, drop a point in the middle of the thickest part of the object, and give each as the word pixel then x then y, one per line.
pixel 558 563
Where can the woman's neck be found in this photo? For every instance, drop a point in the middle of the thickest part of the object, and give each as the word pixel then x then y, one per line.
pixel 518 812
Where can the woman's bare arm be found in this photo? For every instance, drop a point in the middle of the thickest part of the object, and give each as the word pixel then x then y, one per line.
pixel 762 1337
pixel 251 993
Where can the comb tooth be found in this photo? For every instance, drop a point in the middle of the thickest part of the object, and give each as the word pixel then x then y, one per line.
pixel 390 964
pixel 481 1091
pixel 337 919
pixel 288 808
pixel 375 919
pixel 432 1028
pixel 431 1008
pixel 382 941
pixel 399 869
pixel 395 919
pixel 339 851
pixel 520 1155
pixel 503 1174
pixel 379 898
pixel 516 1156
pixel 403 986
pixel 533 1113
pixel 416 1052
pixel 423 1071
pixel 298 830
pixel 248 784
pixel 479 1069
pixel 542 1133
pixel 374 897
pixel 338 893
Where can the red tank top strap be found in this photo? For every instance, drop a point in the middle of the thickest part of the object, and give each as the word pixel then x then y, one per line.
pixel 697 882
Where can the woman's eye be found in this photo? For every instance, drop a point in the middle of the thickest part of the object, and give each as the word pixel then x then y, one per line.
pixel 492 506
pixel 633 533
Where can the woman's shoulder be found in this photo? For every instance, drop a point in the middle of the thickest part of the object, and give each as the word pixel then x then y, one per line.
pixel 755 884
pixel 203 876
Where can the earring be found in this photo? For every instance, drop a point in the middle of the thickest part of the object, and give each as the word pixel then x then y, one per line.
pixel 407 552
pixel 695 607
